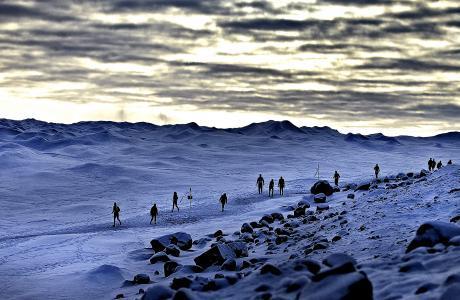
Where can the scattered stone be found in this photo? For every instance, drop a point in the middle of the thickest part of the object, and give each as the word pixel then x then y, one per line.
pixel 322 186
pixel 266 218
pixel 277 216
pixel 246 228
pixel 319 246
pixel 351 196
pixel 455 219
pixel 320 198
pixel 432 233
pixel 411 267
pixel 322 207
pixel 299 211
pixel 157 292
pixel 269 268
pixel 262 288
pixel 363 187
pixel 229 265
pixel 218 233
pixel 216 255
pixel 184 294
pixel 172 250
pixel 170 267
pixel 255 225
pixel 303 203
pixel 281 239
pixel 181 239
pixel 338 259
pixel 336 238
pixel 159 257
pixel 141 279
pixel 181 282
pixel 119 296
pixel 426 287
pixel 239 248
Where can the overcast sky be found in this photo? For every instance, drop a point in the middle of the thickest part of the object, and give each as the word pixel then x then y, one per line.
pixel 356 65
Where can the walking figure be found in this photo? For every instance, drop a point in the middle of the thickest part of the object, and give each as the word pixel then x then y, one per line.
pixel 430 164
pixel 449 162
pixel 281 185
pixel 154 213
pixel 260 183
pixel 175 198
pixel 377 170
pixel 116 213
pixel 336 178
pixel 223 200
pixel 271 188
pixel 439 165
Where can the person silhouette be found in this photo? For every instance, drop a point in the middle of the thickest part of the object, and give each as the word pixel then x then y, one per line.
pixel 116 213
pixel 377 170
pixel 281 185
pixel 271 188
pixel 175 198
pixel 223 200
pixel 260 183
pixel 336 178
pixel 154 213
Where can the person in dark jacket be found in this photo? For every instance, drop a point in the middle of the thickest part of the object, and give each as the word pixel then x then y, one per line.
pixel 377 170
pixel 175 198
pixel 336 178
pixel 281 185
pixel 271 188
pixel 154 213
pixel 430 164
pixel 449 162
pixel 223 200
pixel 116 213
pixel 439 165
pixel 260 183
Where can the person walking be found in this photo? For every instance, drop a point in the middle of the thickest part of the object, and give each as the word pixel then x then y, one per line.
pixel 281 185
pixel 260 183
pixel 271 188
pixel 377 171
pixel 336 178
pixel 116 213
pixel 430 164
pixel 175 198
pixel 154 213
pixel 223 200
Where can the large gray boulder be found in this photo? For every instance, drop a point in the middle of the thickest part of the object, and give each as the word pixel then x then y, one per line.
pixel 215 256
pixel 180 239
pixel 322 186
pixel 432 233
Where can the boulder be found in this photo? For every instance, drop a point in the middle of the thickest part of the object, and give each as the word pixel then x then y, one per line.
pixel 277 216
pixel 181 239
pixel 322 186
pixel 266 218
pixel 214 256
pixel 363 187
pixel 281 239
pixel 184 294
pixel 239 248
pixel 229 265
pixel 269 268
pixel 157 292
pixel 255 224
pixel 424 173
pixel 432 233
pixel 172 250
pixel 299 211
pixel 320 198
pixel 338 259
pixel 322 207
pixel 170 267
pixel 246 228
pixel 303 203
pixel 351 196
pixel 159 257
pixel 218 233
pixel 141 279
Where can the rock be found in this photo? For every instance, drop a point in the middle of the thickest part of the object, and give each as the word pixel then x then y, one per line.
pixel 201 242
pixel 247 237
pixel 344 268
pixel 229 265
pixel 281 239
pixel 303 203
pixel 352 285
pixel 319 246
pixel 262 288
pixel 432 233
pixel 426 287
pixel 338 259
pixel 255 225
pixel 363 187
pixel 320 198
pixel 216 255
pixel 266 218
pixel 411 267
pixel 172 250
pixel 311 265
pixel 277 216
pixel 336 189
pixel 141 291
pixel 184 294
pixel 141 279
pixel 159 257
pixel 269 268
pixel 181 282
pixel 351 196
pixel 455 219
pixel 336 238
pixel 424 173
pixel 181 239
pixel 455 241
pixel 322 186
pixel 299 211
pixel 239 248
pixel 157 292
pixel 410 174
pixel 170 267
pixel 246 228
pixel 218 233
pixel 119 296
pixel 322 207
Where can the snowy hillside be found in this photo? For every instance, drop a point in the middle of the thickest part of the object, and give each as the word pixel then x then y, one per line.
pixel 58 183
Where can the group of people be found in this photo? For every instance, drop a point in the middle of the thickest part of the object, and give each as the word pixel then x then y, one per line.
pixel 271 186
pixel 432 165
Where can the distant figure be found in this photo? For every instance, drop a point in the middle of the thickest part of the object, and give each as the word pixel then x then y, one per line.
pixel 430 164
pixel 377 170
pixel 439 165
pixel 281 185
pixel 154 213
pixel 260 183
pixel 449 162
pixel 336 178
pixel 271 188
pixel 116 213
pixel 175 198
pixel 433 165
pixel 223 200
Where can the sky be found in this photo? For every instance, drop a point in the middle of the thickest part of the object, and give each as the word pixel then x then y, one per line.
pixel 390 66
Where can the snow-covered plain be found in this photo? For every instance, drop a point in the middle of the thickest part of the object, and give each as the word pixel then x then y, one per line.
pixel 58 183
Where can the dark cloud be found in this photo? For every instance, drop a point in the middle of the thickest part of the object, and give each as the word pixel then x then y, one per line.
pixel 408 65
